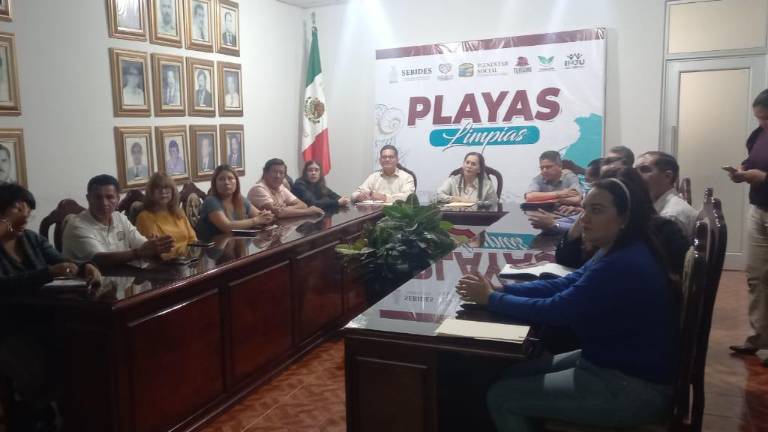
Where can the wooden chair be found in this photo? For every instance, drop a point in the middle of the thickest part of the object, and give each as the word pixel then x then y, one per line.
pixel 191 198
pixel 492 172
pixel 56 218
pixel 415 183
pixel 132 204
pixel 684 189
pixel 571 166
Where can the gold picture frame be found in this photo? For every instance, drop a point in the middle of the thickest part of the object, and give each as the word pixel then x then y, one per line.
pixel 166 22
pixel 198 25
pixel 130 83
pixel 204 158
pixel 135 144
pixel 201 88
pixel 234 158
pixel 126 19
pixel 230 89
pixel 173 156
pixel 13 163
pixel 10 98
pixel 5 10
pixel 228 28
pixel 169 85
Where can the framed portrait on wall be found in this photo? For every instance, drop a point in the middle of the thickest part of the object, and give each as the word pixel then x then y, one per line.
pixel 13 165
pixel 199 25
pixel 130 93
pixel 133 147
pixel 172 151
pixel 230 90
pixel 232 146
pixel 228 28
pixel 169 85
pixel 166 22
pixel 204 154
pixel 201 88
pixel 10 100
pixel 126 19
pixel 5 10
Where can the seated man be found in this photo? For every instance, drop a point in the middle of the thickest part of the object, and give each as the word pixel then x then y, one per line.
pixel 554 182
pixel 619 156
pixel 271 193
pixel 389 184
pixel 104 236
pixel 660 172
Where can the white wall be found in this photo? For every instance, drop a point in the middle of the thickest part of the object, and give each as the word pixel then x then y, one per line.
pixel 66 97
pixel 351 33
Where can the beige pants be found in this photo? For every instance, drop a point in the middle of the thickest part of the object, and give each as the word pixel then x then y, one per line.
pixel 757 277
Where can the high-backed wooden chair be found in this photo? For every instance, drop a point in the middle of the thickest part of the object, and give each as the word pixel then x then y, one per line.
pixel 492 172
pixel 684 189
pixel 56 218
pixel 571 166
pixel 415 182
pixel 132 204
pixel 191 198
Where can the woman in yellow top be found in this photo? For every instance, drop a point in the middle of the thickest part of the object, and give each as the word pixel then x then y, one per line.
pixel 162 215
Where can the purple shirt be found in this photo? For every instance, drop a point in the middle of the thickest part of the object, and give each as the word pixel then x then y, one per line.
pixel 757 149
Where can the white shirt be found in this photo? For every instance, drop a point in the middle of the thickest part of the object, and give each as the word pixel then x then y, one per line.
pixel 673 207
pixel 85 237
pixel 396 187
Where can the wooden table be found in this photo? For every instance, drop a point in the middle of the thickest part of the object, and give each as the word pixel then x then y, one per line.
pixel 400 376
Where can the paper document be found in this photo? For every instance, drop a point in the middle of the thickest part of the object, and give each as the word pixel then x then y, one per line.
pixel 373 202
pixel 545 271
pixel 65 284
pixel 459 204
pixel 483 330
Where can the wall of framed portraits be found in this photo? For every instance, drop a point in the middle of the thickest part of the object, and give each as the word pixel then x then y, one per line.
pixel 147 91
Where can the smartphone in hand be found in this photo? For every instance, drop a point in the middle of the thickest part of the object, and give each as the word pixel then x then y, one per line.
pixel 730 169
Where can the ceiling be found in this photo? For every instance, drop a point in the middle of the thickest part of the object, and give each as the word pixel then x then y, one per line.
pixel 307 4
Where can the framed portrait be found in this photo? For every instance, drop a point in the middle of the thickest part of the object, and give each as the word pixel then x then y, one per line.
pixel 10 100
pixel 228 28
pixel 169 85
pixel 13 165
pixel 5 10
pixel 133 147
pixel 165 22
pixel 172 151
pixel 199 25
pixel 201 88
pixel 232 146
pixel 126 19
pixel 205 153
pixel 130 94
pixel 230 90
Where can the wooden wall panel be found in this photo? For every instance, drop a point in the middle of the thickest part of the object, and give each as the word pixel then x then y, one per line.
pixel 319 301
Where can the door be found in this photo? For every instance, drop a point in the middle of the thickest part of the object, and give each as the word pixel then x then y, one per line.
pixel 707 118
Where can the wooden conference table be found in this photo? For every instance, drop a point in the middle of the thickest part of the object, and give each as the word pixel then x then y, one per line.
pixel 400 376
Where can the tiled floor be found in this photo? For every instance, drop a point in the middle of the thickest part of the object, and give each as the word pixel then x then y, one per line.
pixel 309 396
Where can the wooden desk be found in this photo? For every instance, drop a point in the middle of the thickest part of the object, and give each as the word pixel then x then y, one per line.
pixel 400 376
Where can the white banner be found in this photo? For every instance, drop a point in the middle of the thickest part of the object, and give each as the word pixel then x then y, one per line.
pixel 508 98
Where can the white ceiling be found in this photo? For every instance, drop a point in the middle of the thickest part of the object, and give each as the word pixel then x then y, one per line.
pixel 307 4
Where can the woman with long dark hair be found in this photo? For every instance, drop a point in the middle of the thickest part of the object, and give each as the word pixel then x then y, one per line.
pixel 311 188
pixel 470 185
pixel 622 306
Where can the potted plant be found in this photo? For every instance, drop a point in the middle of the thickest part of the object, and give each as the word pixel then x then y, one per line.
pixel 401 244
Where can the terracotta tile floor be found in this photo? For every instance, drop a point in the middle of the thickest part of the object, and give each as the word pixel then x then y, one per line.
pixel 309 396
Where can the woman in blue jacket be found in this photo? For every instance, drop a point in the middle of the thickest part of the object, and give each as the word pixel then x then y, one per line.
pixel 622 306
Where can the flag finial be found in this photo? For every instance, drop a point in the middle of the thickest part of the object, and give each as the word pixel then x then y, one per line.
pixel 314 22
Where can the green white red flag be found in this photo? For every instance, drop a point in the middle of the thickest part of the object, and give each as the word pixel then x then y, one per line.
pixel 314 136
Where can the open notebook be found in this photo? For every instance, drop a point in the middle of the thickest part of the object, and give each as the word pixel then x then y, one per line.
pixel 483 330
pixel 544 271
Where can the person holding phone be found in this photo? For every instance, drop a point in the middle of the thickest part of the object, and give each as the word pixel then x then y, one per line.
pixel 753 172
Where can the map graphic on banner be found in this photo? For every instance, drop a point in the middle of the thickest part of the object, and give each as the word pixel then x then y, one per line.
pixel 509 98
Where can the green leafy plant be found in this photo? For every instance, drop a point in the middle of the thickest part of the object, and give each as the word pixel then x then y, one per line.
pixel 404 242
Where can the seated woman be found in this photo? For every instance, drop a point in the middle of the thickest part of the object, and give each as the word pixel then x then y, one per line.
pixel 311 188
pixel 271 194
pixel 471 185
pixel 224 209
pixel 162 215
pixel 27 260
pixel 622 306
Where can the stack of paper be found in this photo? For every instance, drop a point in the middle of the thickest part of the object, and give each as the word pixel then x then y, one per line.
pixel 483 330
pixel 459 204
pixel 544 271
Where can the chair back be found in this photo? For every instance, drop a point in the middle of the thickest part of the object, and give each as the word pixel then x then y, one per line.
pixel 415 183
pixel 571 166
pixel 492 172
pixel 56 218
pixel 132 204
pixel 191 198
pixel 684 189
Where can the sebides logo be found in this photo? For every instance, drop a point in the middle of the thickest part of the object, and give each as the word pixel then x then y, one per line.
pixel 522 65
pixel 574 61
pixel 466 70
pixel 546 63
pixel 416 74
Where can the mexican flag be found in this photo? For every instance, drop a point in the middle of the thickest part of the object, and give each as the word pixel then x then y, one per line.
pixel 314 137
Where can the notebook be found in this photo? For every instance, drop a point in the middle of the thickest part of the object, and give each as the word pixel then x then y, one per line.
pixel 544 271
pixel 483 330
